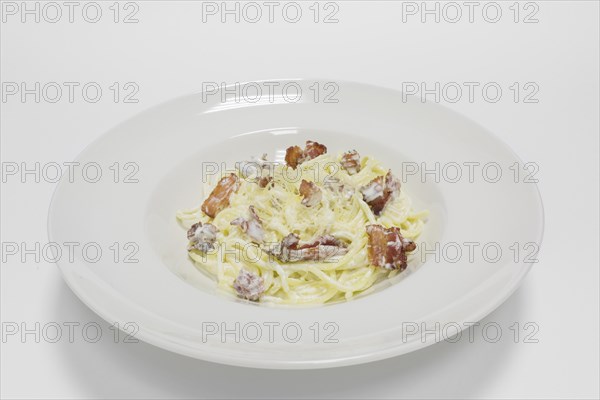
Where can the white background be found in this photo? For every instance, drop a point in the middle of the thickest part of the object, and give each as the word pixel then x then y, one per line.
pixel 171 52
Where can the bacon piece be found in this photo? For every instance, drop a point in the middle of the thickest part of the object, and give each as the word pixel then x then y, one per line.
pixel 373 195
pixel 379 191
pixel 392 184
pixel 202 237
pixel 265 181
pixel 321 249
pixel 351 162
pixel 219 197
pixel 387 248
pixel 295 156
pixel 252 226
pixel 313 150
pixel 249 285
pixel 311 193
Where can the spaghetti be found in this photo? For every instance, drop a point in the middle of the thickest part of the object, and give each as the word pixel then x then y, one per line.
pixel 254 245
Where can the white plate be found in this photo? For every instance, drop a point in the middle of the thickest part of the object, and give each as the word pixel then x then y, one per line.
pixel 176 307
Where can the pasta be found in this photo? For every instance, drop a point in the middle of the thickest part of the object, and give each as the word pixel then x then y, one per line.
pixel 270 207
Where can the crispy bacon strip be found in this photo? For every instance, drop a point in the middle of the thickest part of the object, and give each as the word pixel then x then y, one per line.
pixel 351 162
pixel 320 249
pixel 379 191
pixel 295 156
pixel 387 248
pixel 251 226
pixel 219 197
pixel 202 237
pixel 249 285
pixel 311 193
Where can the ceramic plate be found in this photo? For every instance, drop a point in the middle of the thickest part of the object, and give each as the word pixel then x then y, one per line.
pixel 484 226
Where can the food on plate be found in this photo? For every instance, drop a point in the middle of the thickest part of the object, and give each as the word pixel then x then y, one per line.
pixel 316 228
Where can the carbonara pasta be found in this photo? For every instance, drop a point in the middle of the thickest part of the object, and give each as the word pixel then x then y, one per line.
pixel 316 229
